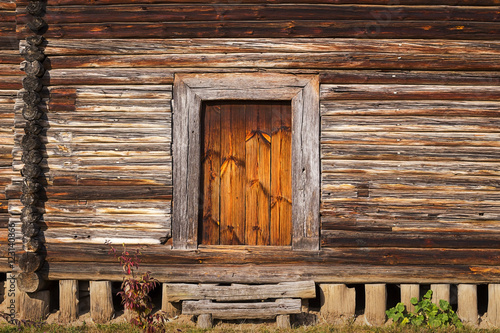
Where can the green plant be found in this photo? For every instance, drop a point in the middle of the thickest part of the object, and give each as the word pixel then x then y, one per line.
pixel 425 313
pixel 135 292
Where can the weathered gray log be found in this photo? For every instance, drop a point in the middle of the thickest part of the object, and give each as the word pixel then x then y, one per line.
pixel 35 39
pixel 179 292
pixel 467 304
pixel 34 68
pixel 36 7
pixel 68 300
pixel 338 302
pixel 171 308
pixel 30 215
pixel 263 310
pixel 36 24
pixel 33 53
pixel 31 97
pixel 101 302
pixel 32 83
pixel 29 199
pixel 30 142
pixel 409 291
pixel 31 186
pixel 30 262
pixel 30 282
pixel 31 112
pixel 31 171
pixel 34 306
pixel 375 304
pixel 33 127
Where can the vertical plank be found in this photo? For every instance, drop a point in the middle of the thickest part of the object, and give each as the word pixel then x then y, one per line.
pixel 375 304
pixel 68 300
pixel 337 301
pixel 281 181
pixel 34 306
pixel 440 291
pixel 257 164
pixel 494 304
pixel 209 228
pixel 171 309
pixel 467 303
pixel 232 173
pixel 408 291
pixel 306 166
pixel 101 302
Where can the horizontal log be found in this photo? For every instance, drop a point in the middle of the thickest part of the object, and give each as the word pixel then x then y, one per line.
pixel 228 311
pixel 374 168
pixel 242 12
pixel 406 153
pixel 63 47
pixel 123 150
pixel 311 60
pixel 98 235
pixel 405 183
pixel 156 92
pixel 409 108
pixel 250 273
pixel 104 135
pixel 239 292
pixel 99 207
pixel 430 140
pixel 409 92
pixel 371 2
pixel 106 178
pixel 397 123
pixel 277 29
pixel 65 120
pixel 95 252
pixel 155 76
pixel 102 192
pixel 369 238
pixel 465 214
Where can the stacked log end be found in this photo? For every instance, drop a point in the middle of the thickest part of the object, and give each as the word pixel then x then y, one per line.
pixel 31 260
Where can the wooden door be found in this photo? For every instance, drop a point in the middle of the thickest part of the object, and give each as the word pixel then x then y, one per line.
pixel 246 179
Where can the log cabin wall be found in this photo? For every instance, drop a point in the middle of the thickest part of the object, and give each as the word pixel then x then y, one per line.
pixel 409 133
pixel 10 83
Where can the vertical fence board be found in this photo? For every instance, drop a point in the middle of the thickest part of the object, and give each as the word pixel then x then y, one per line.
pixel 375 304
pixel 408 291
pixel 467 303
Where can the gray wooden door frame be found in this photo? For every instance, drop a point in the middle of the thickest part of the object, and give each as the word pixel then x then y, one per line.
pixel 190 90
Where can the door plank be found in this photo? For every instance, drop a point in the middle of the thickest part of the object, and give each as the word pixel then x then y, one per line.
pixel 232 173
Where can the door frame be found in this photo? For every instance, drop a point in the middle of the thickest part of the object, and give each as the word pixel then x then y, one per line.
pixel 190 90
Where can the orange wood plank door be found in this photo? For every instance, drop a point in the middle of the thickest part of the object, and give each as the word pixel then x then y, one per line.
pixel 246 173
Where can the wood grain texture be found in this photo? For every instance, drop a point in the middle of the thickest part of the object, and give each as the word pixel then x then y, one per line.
pixel 262 310
pixel 258 146
pixel 281 179
pixel 232 171
pixel 240 292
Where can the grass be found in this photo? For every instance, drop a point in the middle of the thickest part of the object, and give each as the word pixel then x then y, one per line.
pixel 237 328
